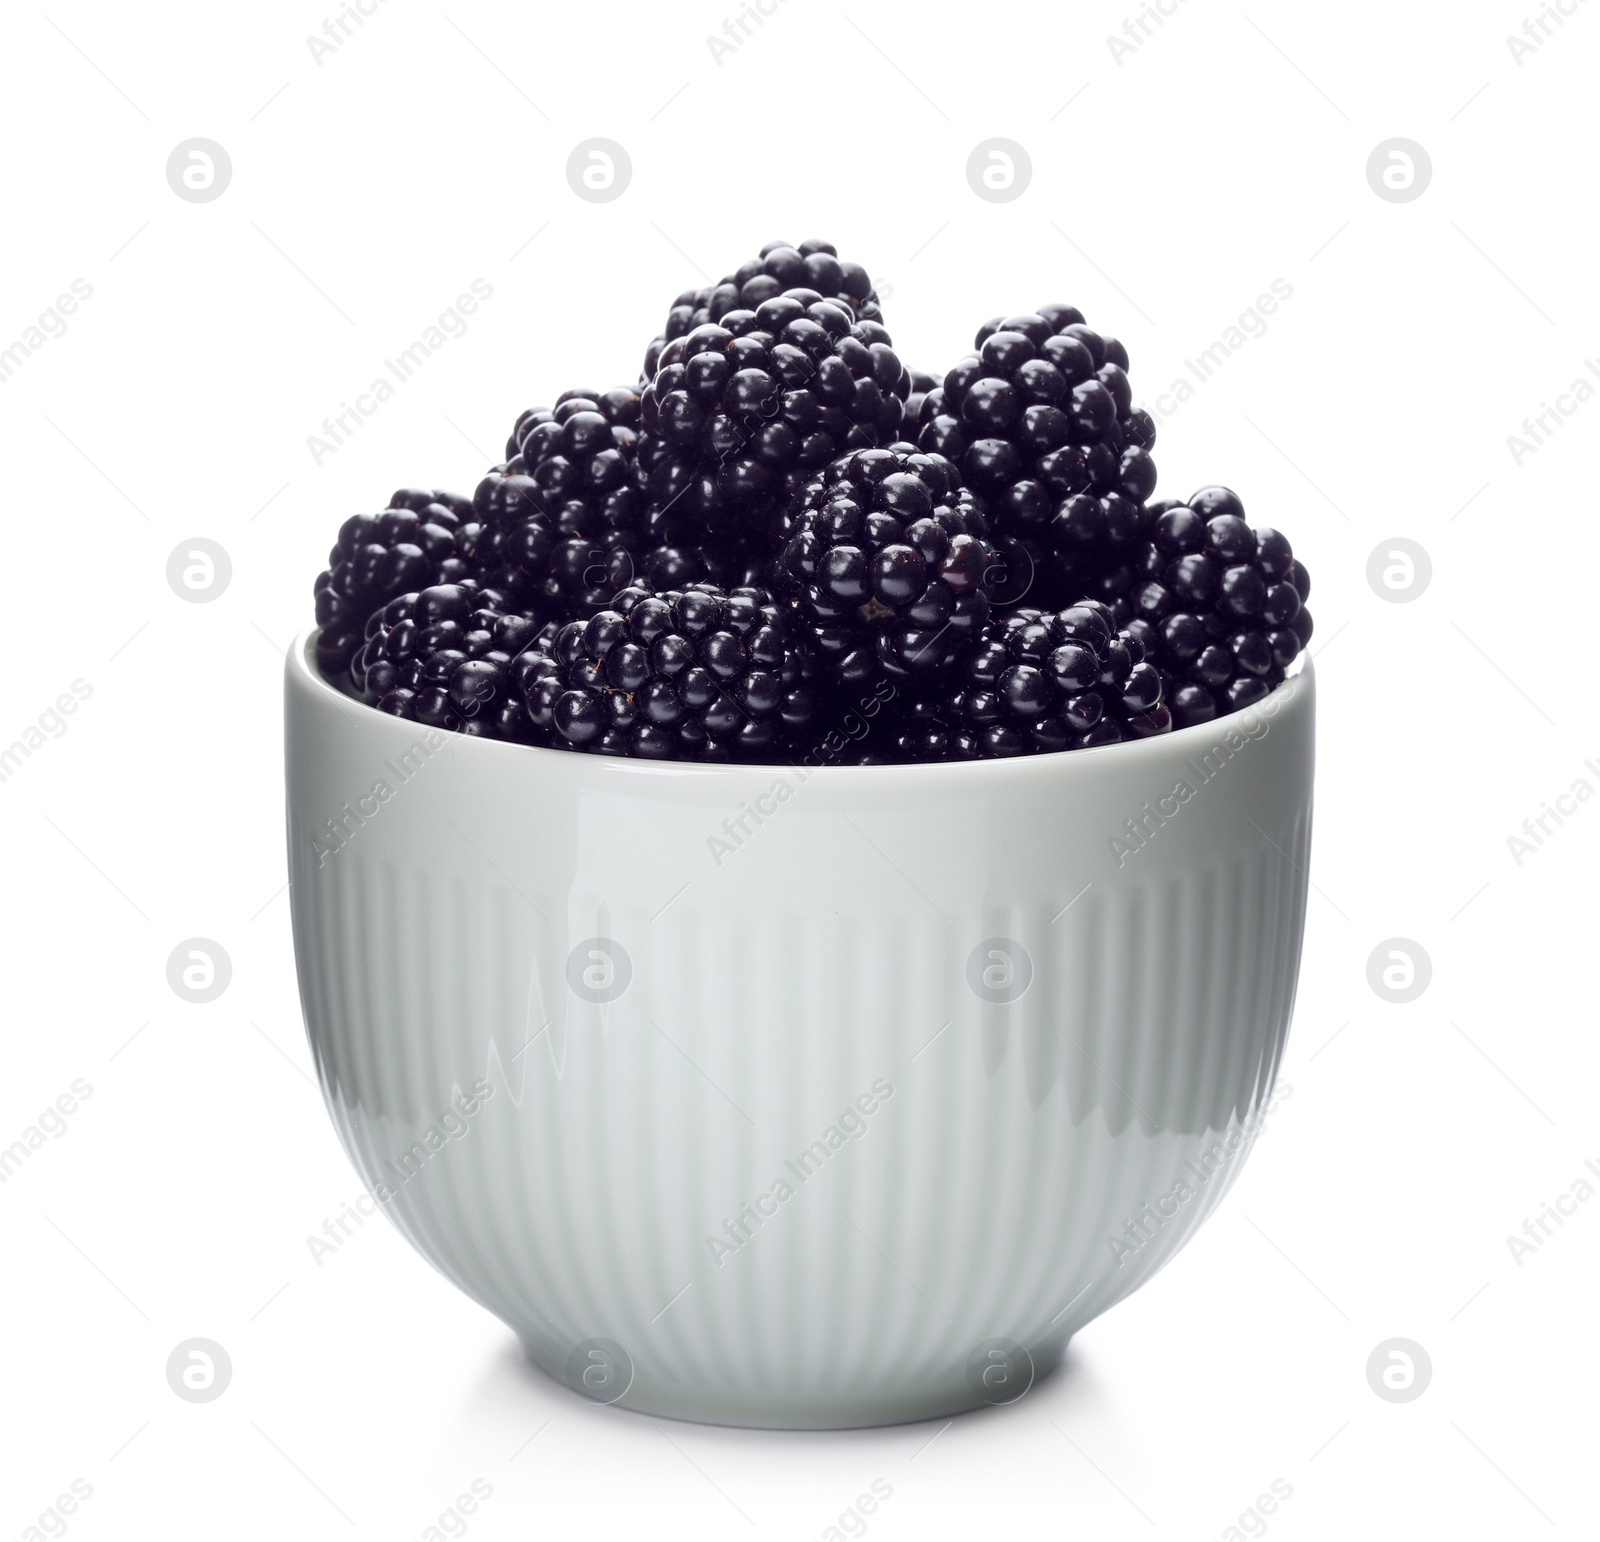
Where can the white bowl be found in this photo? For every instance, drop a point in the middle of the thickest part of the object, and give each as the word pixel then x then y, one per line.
pixel 796 1097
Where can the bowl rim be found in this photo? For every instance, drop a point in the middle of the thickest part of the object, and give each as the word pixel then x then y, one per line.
pixel 1134 754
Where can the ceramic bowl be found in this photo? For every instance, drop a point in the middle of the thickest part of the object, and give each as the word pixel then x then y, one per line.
pixel 796 1096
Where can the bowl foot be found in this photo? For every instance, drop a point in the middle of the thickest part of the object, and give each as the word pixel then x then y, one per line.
pixel 600 1372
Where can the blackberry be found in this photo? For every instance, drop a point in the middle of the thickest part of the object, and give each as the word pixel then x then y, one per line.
pixel 743 409
pixel 1219 607
pixel 411 627
pixel 693 674
pixel 888 564
pixel 779 268
pixel 564 516
pixel 619 407
pixel 1037 682
pixel 1041 421
pixel 423 537
pixel 452 657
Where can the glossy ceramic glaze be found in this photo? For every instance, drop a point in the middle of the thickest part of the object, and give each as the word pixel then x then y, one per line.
pixel 796 1097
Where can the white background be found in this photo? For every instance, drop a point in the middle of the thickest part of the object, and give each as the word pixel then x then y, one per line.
pixel 1169 189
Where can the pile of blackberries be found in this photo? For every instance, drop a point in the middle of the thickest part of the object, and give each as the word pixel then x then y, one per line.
pixel 784 545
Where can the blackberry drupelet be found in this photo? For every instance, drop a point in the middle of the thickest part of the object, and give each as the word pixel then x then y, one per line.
pixel 1037 682
pixel 1219 607
pixel 689 674
pixel 1041 422
pixel 779 268
pixel 742 410
pixel 888 564
pixel 423 537
pixel 564 516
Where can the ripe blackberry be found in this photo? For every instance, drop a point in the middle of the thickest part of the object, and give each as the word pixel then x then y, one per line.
pixel 888 564
pixel 412 627
pixel 743 409
pixel 1219 607
pixel 1037 682
pixel 779 268
pixel 452 657
pixel 564 516
pixel 423 537
pixel 689 674
pixel 1041 422
pixel 619 407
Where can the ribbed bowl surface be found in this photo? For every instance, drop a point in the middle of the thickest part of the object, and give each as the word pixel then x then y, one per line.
pixel 795 1097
